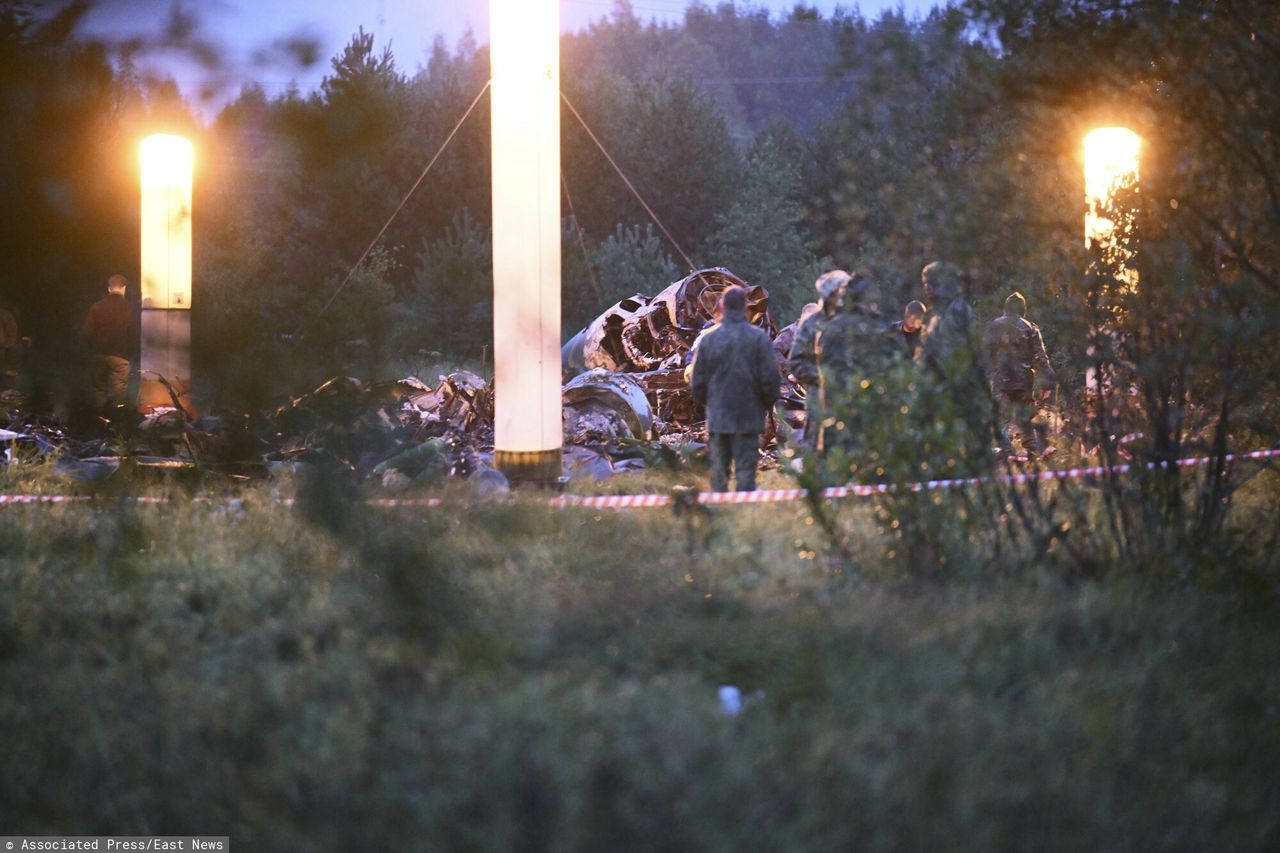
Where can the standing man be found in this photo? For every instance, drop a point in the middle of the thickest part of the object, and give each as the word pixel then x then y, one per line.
pixel 803 360
pixel 735 375
pixel 857 343
pixel 12 346
pixel 1019 369
pixel 946 338
pixel 111 330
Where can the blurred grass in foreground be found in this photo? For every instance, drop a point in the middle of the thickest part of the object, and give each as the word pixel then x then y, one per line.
pixel 510 677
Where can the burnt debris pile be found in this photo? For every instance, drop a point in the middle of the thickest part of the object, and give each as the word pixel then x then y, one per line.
pixel 626 404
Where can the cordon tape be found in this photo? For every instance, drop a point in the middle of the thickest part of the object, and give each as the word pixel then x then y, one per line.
pixel 763 496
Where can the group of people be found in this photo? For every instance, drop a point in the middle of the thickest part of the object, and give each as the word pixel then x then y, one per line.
pixel 734 372
pixel 843 337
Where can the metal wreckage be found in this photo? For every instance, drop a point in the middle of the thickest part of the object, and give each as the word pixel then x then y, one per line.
pixel 626 406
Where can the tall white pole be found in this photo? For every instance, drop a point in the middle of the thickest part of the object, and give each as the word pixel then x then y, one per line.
pixel 525 60
pixel 1110 171
pixel 1110 178
pixel 167 163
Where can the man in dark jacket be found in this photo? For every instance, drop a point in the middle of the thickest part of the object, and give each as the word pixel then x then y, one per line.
pixel 735 375
pixel 1018 367
pixel 12 346
pixel 111 330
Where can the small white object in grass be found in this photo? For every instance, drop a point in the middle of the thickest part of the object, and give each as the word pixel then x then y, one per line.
pixel 730 700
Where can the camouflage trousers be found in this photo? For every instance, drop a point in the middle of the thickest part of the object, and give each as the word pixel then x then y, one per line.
pixel 1017 413
pixel 812 417
pixel 742 450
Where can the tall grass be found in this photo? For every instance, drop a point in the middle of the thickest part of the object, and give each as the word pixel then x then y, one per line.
pixel 506 676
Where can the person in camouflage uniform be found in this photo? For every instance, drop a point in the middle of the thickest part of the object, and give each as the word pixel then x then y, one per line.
pixel 855 343
pixel 947 336
pixel 735 375
pixel 1018 366
pixel 802 360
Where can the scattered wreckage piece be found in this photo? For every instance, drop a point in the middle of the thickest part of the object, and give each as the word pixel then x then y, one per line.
pixel 627 389
pixel 600 343
pixel 601 406
pixel 641 334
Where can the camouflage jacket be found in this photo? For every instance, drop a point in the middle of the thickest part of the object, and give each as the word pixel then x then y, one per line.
pixel 803 359
pixel 853 344
pixel 735 375
pixel 947 338
pixel 1015 357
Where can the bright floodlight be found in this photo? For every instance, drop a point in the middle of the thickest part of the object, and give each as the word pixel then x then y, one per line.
pixel 166 221
pixel 525 68
pixel 166 269
pixel 1110 168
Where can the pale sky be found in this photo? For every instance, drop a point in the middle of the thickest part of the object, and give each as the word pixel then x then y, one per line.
pixel 243 30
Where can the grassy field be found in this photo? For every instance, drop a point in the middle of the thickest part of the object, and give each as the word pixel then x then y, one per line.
pixel 508 677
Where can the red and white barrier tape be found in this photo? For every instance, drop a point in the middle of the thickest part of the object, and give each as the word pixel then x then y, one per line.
pixel 762 496
pixel 835 492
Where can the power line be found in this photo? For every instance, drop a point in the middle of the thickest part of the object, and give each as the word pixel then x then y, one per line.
pixel 407 196
pixel 625 179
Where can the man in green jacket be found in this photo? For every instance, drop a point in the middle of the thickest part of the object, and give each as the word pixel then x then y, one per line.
pixel 802 361
pixel 735 375
pixel 855 345
pixel 948 344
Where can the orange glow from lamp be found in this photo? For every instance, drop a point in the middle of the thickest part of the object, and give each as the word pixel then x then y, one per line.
pixel 525 68
pixel 1110 170
pixel 167 165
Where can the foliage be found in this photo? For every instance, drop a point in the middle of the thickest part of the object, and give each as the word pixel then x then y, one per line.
pixel 510 675
pixel 628 261
pixel 762 231
pixel 982 150
pixel 671 142
pixel 453 288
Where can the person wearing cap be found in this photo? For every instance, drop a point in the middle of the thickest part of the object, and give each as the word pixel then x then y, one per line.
pixel 910 329
pixel 802 360
pixel 735 375
pixel 854 345
pixel 111 330
pixel 1018 367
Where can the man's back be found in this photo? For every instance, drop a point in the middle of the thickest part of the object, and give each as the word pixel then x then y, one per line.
pixel 737 376
pixel 947 337
pixel 1014 350
pixel 110 327
pixel 853 343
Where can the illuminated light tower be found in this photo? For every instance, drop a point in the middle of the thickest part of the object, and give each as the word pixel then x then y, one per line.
pixel 166 272
pixel 1110 171
pixel 524 50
